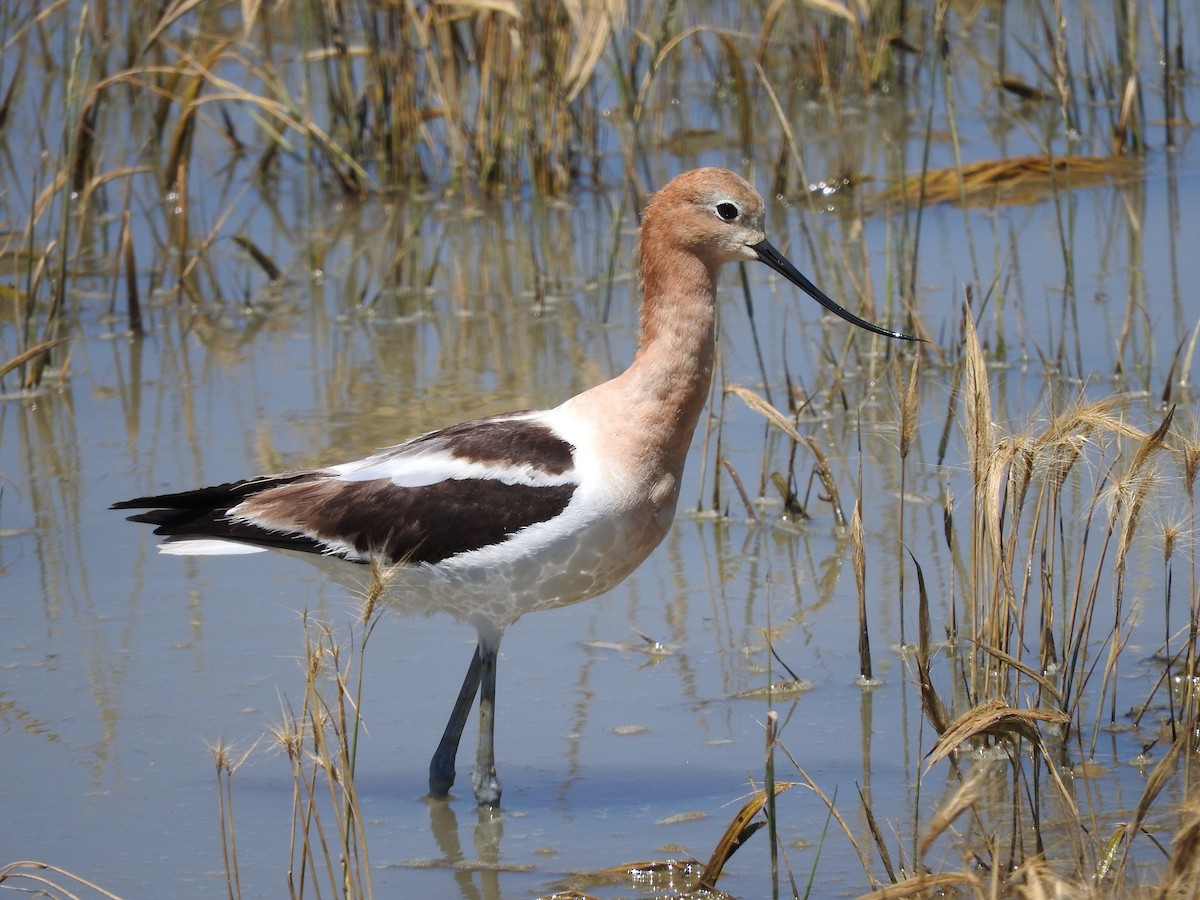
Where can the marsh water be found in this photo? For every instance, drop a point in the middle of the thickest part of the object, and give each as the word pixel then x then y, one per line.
pixel 120 669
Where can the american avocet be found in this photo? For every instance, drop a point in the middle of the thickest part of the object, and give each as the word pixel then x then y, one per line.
pixel 494 518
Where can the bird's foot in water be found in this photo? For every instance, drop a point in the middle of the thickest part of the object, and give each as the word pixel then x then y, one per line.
pixel 487 787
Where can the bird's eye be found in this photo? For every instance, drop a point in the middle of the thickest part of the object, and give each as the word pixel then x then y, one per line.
pixel 728 211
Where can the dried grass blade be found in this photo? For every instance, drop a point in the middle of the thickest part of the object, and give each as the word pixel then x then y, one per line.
pixel 767 411
pixel 6 103
pixel 745 105
pixel 259 255
pixel 504 7
pixel 739 829
pixel 84 143
pixel 877 835
pixel 181 139
pixel 30 353
pixel 133 303
pixel 826 475
pixel 859 562
pixel 832 7
pixel 170 17
pixel 250 11
pixel 931 701
pixel 1190 355
pixel 1019 179
pixel 996 718
pixel 1153 442
pixel 924 886
pixel 780 421
pixel 1045 683
pixel 1184 870
pixel 923 623
pixel 968 793
pixel 977 402
pixel 1166 770
pixel 14 870
pixel 741 489
pixel 594 22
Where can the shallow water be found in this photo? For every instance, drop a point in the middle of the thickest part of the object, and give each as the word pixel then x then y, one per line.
pixel 121 666
pixel 119 669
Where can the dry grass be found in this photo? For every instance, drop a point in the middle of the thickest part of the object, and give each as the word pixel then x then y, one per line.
pixel 320 741
pixel 361 99
pixel 1016 710
pixel 1019 180
pixel 369 98
pixel 45 880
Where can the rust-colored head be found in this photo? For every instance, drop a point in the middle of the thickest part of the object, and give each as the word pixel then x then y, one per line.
pixel 716 216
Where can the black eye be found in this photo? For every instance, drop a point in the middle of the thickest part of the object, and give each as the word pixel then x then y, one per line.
pixel 728 211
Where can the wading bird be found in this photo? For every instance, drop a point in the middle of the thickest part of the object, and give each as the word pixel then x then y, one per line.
pixel 495 518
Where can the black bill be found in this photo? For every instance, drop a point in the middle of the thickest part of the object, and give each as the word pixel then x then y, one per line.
pixel 777 261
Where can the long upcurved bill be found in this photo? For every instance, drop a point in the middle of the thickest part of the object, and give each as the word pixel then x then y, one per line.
pixel 778 262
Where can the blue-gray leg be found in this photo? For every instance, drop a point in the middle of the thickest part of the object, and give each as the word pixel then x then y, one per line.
pixel 483 779
pixel 441 767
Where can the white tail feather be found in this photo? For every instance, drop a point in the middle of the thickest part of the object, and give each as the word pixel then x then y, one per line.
pixel 208 547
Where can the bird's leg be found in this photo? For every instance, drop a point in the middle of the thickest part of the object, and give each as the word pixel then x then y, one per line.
pixel 483 779
pixel 441 767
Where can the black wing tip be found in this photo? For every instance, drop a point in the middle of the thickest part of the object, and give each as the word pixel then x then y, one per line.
pixel 214 497
pixel 152 517
pixel 204 514
pixel 179 525
pixel 136 503
pixel 183 522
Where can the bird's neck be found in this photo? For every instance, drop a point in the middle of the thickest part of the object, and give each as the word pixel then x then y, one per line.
pixel 664 389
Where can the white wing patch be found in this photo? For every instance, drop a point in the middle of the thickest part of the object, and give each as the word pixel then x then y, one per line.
pixel 405 468
pixel 440 456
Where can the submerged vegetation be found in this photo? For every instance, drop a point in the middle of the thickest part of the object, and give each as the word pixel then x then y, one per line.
pixel 136 207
